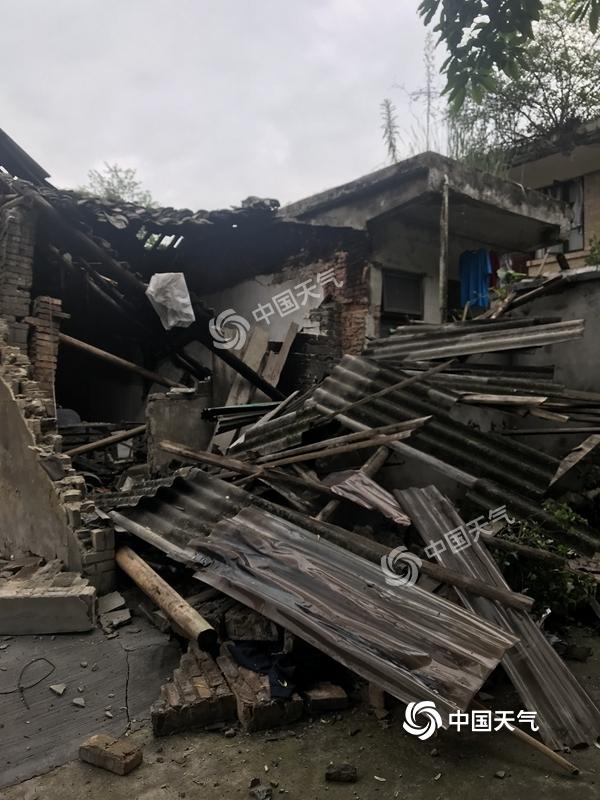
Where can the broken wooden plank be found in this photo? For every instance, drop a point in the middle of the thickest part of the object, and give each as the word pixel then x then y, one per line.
pixel 481 399
pixel 348 438
pixel 276 361
pixel 575 456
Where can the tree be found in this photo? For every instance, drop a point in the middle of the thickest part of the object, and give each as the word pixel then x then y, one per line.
pixel 114 183
pixel 555 89
pixel 488 37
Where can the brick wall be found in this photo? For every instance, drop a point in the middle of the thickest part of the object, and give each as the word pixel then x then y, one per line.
pixel 17 241
pixel 342 320
pixel 43 347
pixel 95 539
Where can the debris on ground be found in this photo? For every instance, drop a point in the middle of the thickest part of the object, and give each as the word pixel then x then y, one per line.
pixel 115 755
pixel 324 515
pixel 341 773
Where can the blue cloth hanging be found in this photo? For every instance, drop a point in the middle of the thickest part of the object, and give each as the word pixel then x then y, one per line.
pixel 475 268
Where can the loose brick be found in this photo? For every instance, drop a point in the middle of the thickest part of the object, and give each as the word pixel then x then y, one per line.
pixel 115 755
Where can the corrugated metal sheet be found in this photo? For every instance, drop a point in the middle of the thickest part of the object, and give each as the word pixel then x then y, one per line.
pixel 566 714
pixel 491 465
pixel 476 453
pixel 461 339
pixel 406 640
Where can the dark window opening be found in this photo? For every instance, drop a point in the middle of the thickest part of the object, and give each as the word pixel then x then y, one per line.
pixel 570 192
pixel 401 298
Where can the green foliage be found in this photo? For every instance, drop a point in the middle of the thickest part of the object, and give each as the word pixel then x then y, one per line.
pixel 553 91
pixel 389 126
pixel 114 183
pixel 560 591
pixel 593 257
pixel 486 39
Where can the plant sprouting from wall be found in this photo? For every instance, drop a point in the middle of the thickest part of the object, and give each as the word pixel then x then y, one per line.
pixel 389 127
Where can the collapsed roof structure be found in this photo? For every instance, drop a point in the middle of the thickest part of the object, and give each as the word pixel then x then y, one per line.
pixel 88 367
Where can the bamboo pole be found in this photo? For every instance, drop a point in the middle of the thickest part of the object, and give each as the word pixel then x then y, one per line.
pixel 193 625
pixel 114 438
pixel 349 438
pixel 536 744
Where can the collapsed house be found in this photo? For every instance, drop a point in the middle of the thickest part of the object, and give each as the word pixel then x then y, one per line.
pixel 253 444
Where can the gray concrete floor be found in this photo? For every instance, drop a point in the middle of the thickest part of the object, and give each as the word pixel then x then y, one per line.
pixel 211 767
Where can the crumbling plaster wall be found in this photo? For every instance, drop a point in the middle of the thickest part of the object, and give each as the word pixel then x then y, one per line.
pixel 32 517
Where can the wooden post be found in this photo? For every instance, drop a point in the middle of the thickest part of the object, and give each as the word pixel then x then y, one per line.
pixel 114 438
pixel 443 270
pixel 195 627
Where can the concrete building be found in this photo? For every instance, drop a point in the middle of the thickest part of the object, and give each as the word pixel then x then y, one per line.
pixel 567 169
pixel 401 208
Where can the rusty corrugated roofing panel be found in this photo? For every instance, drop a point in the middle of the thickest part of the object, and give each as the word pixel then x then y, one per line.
pixel 406 640
pixel 566 714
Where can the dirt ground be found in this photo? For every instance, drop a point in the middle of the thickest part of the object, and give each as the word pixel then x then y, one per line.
pixel 390 762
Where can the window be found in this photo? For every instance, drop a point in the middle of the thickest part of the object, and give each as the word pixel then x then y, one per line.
pixel 570 192
pixel 402 294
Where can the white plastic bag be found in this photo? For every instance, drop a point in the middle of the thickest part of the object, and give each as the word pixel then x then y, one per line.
pixel 168 293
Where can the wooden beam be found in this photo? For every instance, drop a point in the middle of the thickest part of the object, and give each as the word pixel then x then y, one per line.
pixel 193 625
pixel 116 361
pixel 349 438
pixel 115 438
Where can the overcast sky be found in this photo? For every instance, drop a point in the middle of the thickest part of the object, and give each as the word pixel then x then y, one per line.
pixel 210 100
